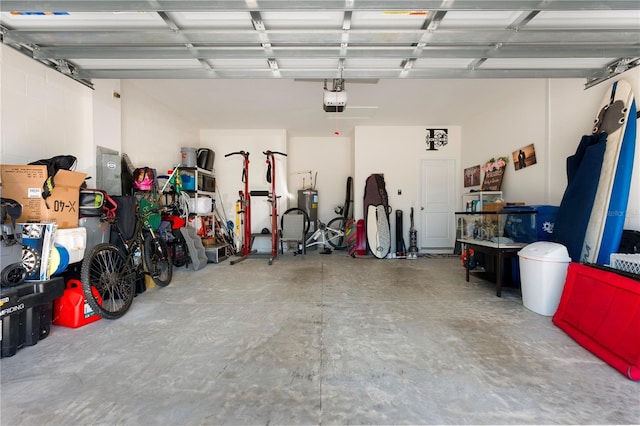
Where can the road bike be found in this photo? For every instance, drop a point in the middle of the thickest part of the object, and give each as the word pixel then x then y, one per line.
pixel 332 233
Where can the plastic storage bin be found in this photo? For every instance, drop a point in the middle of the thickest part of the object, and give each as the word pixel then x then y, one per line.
pixel 26 314
pixel 201 205
pixel 188 182
pixel 543 271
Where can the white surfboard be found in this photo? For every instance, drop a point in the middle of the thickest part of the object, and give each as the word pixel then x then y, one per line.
pixel 607 215
pixel 378 231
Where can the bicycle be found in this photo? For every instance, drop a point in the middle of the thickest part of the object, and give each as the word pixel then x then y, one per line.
pixel 109 273
pixel 333 233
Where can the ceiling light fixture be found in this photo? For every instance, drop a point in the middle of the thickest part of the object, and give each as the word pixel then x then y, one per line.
pixel 406 65
pixel 273 64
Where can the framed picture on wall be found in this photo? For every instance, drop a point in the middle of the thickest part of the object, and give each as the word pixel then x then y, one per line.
pixel 472 176
pixel 524 157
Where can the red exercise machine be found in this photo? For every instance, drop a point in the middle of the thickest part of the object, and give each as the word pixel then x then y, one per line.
pixel 245 203
pixel 271 178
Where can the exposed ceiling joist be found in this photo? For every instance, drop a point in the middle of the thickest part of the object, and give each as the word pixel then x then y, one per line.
pixel 278 5
pixel 324 39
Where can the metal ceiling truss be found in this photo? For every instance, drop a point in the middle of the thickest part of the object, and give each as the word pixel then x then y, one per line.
pixel 347 49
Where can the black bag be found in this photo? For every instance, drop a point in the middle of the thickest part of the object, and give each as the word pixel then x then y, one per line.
pixel 141 286
pixel 13 209
pixel 66 162
pixel 9 207
pixel 126 214
pixel 91 202
pixel 630 242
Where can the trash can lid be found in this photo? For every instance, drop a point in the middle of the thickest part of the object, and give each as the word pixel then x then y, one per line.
pixel 545 251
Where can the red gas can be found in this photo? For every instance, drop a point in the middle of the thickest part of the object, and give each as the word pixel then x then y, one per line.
pixel 72 309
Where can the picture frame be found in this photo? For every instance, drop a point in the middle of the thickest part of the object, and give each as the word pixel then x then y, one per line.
pixel 472 176
pixel 524 157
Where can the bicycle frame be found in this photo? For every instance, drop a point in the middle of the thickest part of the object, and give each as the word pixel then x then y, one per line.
pixel 337 237
pixel 136 238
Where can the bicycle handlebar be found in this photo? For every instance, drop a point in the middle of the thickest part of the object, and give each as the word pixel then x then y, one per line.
pixel 243 153
pixel 274 153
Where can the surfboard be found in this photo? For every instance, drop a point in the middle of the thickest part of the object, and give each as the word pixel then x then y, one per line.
pixel 376 213
pixel 616 117
pixel 378 231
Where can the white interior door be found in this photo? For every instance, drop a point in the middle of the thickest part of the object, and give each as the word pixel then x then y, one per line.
pixel 437 207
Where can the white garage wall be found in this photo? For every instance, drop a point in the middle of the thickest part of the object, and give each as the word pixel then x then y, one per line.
pixel 44 113
pixel 107 110
pixel 152 133
pixel 327 158
pixel 506 126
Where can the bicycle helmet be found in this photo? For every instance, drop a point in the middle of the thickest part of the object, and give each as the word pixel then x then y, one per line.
pixel 143 178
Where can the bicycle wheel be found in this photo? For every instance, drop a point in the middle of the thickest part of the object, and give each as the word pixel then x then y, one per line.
pixel 295 210
pixel 336 235
pixel 108 281
pixel 157 260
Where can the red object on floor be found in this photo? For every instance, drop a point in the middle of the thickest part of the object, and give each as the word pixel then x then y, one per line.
pixel 361 238
pixel 600 310
pixel 72 309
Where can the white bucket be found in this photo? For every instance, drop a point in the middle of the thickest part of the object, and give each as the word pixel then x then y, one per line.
pixel 543 271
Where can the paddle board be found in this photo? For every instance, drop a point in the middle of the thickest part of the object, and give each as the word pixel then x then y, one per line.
pixel 376 213
pixel 378 231
pixel 616 117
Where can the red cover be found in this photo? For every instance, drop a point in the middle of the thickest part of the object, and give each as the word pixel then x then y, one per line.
pixel 601 311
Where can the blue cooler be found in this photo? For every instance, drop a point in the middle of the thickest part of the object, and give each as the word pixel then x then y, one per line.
pixel 521 228
pixel 546 219
pixel 529 229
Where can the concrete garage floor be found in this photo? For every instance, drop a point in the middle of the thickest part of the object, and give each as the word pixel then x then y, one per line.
pixel 324 339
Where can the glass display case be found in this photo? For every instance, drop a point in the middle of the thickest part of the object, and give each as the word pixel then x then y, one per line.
pixel 504 228
pixel 497 234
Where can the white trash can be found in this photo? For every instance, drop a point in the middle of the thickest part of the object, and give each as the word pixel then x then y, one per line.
pixel 543 271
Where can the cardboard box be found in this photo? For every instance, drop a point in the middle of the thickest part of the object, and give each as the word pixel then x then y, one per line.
pixel 23 183
pixel 493 207
pixel 496 207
